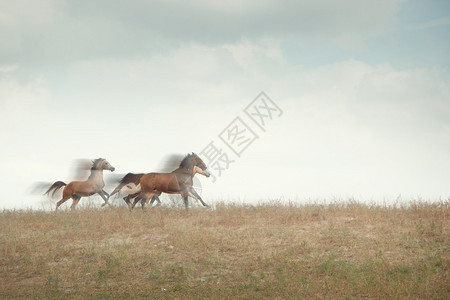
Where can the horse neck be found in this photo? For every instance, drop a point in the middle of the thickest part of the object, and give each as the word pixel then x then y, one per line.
pixel 96 176
pixel 196 170
pixel 184 170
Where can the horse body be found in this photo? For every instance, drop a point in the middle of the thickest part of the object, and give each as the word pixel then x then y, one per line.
pixel 77 189
pixel 82 188
pixel 170 183
pixel 177 182
pixel 130 185
pixel 129 182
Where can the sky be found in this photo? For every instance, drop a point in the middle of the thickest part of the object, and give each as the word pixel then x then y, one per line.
pixel 359 91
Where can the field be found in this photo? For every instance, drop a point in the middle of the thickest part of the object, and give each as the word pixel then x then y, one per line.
pixel 335 251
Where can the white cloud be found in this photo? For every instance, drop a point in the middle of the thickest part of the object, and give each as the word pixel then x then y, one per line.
pixel 8 68
pixel 58 31
pixel 19 100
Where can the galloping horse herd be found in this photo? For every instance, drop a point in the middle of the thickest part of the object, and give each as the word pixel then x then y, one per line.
pixel 140 187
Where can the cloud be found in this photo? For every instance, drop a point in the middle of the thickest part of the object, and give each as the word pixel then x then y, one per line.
pixel 17 98
pixel 47 31
pixel 8 68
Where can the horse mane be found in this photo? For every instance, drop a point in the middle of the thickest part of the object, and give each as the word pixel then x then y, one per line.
pixel 186 162
pixel 96 162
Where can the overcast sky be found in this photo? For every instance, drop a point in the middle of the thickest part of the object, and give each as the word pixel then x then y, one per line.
pixel 363 86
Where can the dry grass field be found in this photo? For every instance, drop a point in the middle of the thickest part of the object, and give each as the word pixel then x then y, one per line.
pixel 335 251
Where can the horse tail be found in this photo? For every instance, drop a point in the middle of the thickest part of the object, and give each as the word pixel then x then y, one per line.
pixel 127 179
pixel 55 187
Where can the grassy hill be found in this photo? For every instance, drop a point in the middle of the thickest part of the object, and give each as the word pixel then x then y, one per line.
pixel 232 251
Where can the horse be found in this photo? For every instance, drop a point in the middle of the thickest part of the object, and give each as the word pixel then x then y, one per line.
pixel 78 189
pixel 130 185
pixel 178 181
pixel 138 197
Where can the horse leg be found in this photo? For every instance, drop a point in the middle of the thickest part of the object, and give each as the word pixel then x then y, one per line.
pixel 131 196
pixel 193 196
pixel 105 197
pixel 75 201
pixel 196 196
pixel 127 201
pixel 136 200
pixel 108 196
pixel 153 200
pixel 185 194
pixel 64 199
pixel 143 200
pixel 146 197
pixel 155 197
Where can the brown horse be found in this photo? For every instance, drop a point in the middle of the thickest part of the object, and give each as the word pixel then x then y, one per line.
pixel 77 189
pixel 130 185
pixel 178 181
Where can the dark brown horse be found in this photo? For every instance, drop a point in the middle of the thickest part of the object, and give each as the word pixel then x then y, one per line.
pixel 130 185
pixel 178 181
pixel 77 189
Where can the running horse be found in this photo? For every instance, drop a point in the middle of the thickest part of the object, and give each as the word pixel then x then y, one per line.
pixel 77 189
pixel 178 181
pixel 130 185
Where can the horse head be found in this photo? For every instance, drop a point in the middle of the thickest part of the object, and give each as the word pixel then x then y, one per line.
pixel 198 162
pixel 102 164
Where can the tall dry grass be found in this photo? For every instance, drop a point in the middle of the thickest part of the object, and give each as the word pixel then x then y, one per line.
pixel 346 250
